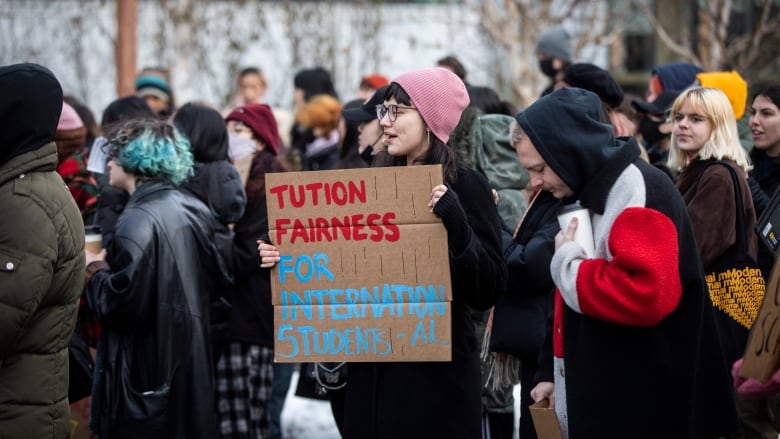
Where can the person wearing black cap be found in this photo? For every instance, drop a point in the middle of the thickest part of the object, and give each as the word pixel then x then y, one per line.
pixel 593 78
pixel 632 322
pixel 369 140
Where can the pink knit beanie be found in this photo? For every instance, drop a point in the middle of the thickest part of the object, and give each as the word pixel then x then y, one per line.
pixel 71 133
pixel 69 119
pixel 439 95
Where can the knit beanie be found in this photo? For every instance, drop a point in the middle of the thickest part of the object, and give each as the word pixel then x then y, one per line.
pixel 593 78
pixel 676 76
pixel 153 85
pixel 565 128
pixel 555 42
pixel 260 119
pixel 730 83
pixel 374 81
pixel 70 134
pixel 439 95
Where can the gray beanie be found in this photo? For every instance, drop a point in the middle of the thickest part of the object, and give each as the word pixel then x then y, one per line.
pixel 556 42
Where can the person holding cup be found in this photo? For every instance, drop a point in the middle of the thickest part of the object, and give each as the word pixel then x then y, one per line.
pixel 154 369
pixel 632 323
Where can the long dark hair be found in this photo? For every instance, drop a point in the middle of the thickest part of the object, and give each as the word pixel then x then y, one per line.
pixel 438 152
pixel 314 81
pixel 205 129
pixel 772 92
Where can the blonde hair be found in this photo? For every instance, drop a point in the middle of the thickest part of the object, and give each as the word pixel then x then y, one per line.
pixel 322 111
pixel 723 142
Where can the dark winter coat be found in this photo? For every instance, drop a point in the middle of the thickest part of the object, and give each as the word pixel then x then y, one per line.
pixel 219 186
pixel 41 259
pixel 520 316
pixel 649 334
pixel 439 399
pixel 521 310
pixel 708 191
pixel 157 375
pixel 252 317
pixel 764 181
pixel 633 328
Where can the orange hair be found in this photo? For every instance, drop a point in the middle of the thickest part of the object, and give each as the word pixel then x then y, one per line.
pixel 322 111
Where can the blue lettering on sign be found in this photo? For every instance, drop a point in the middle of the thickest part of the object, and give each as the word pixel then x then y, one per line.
pixel 305 267
pixel 351 303
pixel 297 339
pixel 426 337
pixel 306 341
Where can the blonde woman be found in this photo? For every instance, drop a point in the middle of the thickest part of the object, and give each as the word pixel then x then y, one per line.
pixel 705 148
pixel 704 131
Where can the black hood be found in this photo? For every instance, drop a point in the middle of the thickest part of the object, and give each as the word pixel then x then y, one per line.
pixel 565 128
pixel 30 106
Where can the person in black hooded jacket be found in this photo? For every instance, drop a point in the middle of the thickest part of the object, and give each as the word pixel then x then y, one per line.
pixel 216 182
pixel 154 374
pixel 633 322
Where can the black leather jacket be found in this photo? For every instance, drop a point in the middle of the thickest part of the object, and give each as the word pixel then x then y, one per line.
pixel 155 374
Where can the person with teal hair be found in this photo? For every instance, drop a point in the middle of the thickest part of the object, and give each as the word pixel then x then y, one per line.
pixel 154 374
pixel 149 149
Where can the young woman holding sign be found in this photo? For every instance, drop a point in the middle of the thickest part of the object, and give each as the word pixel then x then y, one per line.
pixel 432 399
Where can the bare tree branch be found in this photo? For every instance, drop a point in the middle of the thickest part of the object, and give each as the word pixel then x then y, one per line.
pixel 676 47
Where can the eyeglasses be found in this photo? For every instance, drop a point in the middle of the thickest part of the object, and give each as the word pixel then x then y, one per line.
pixel 390 110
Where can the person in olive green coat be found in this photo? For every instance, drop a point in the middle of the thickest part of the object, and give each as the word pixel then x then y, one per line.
pixel 41 258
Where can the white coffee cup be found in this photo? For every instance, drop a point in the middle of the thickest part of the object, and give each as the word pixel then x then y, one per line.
pixel 93 239
pixel 584 234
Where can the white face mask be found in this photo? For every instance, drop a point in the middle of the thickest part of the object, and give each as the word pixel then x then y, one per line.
pixel 240 147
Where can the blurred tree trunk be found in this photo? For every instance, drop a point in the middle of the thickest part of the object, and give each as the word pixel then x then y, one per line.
pixel 126 17
pixel 516 25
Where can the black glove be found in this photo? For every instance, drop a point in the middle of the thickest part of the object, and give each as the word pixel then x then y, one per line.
pixel 449 209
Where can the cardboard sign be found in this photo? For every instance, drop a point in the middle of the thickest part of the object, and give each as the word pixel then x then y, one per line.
pixel 364 270
pixel 762 353
pixel 545 420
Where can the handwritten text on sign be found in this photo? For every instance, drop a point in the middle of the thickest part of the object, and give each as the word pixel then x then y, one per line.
pixel 762 354
pixel 364 272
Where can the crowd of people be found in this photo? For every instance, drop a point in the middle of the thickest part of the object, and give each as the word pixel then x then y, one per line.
pixel 629 341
